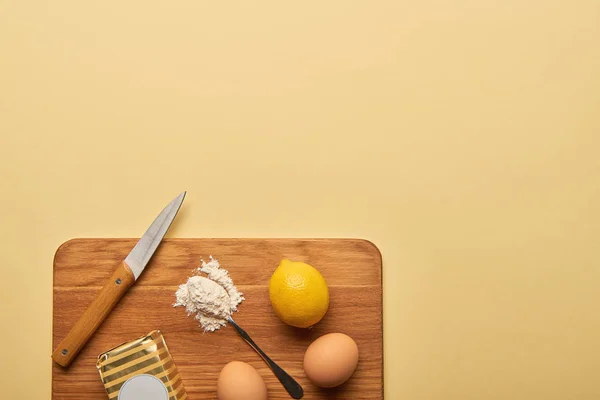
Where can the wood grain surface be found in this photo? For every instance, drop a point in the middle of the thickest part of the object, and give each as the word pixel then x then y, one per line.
pixel 351 267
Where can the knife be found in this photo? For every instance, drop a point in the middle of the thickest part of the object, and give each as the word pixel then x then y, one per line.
pixel 117 285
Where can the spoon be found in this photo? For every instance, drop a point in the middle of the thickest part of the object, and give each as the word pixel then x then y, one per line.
pixel 290 385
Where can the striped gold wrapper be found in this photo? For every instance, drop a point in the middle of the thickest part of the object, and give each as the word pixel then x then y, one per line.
pixel 146 355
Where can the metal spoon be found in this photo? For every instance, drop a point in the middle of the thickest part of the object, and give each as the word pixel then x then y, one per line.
pixel 290 385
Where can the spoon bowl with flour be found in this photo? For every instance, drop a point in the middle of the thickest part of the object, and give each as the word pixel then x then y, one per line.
pixel 212 298
pixel 201 295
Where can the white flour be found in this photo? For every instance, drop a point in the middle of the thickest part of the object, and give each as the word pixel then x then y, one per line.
pixel 211 298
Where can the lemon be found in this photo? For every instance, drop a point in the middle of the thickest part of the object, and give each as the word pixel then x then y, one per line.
pixel 299 294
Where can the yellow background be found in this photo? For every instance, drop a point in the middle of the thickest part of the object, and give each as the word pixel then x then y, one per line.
pixel 462 137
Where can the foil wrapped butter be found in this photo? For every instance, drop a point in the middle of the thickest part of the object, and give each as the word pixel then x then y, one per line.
pixel 147 355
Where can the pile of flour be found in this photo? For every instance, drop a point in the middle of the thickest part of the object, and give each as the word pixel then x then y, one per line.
pixel 212 297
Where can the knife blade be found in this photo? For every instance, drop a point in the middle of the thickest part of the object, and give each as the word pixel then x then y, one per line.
pixel 117 285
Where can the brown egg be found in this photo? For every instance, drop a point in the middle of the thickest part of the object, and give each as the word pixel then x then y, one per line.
pixel 331 360
pixel 240 381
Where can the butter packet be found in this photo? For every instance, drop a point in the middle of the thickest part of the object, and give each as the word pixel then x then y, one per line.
pixel 147 355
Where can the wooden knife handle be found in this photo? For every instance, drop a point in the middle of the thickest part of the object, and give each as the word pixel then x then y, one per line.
pixel 116 286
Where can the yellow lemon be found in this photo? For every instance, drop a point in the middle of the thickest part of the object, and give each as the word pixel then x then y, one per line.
pixel 299 294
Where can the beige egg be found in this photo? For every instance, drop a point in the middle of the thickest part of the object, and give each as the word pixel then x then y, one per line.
pixel 240 381
pixel 331 360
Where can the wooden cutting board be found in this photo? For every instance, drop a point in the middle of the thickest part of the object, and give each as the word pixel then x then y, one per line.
pixel 352 269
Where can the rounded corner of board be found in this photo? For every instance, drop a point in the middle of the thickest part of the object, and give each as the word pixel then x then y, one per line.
pixel 372 247
pixel 64 245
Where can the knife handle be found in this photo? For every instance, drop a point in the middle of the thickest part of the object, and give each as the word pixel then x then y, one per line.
pixel 108 297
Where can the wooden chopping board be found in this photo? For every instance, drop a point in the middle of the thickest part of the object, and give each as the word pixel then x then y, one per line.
pixel 352 269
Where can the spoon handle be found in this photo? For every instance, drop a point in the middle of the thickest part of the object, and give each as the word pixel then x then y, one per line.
pixel 290 385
